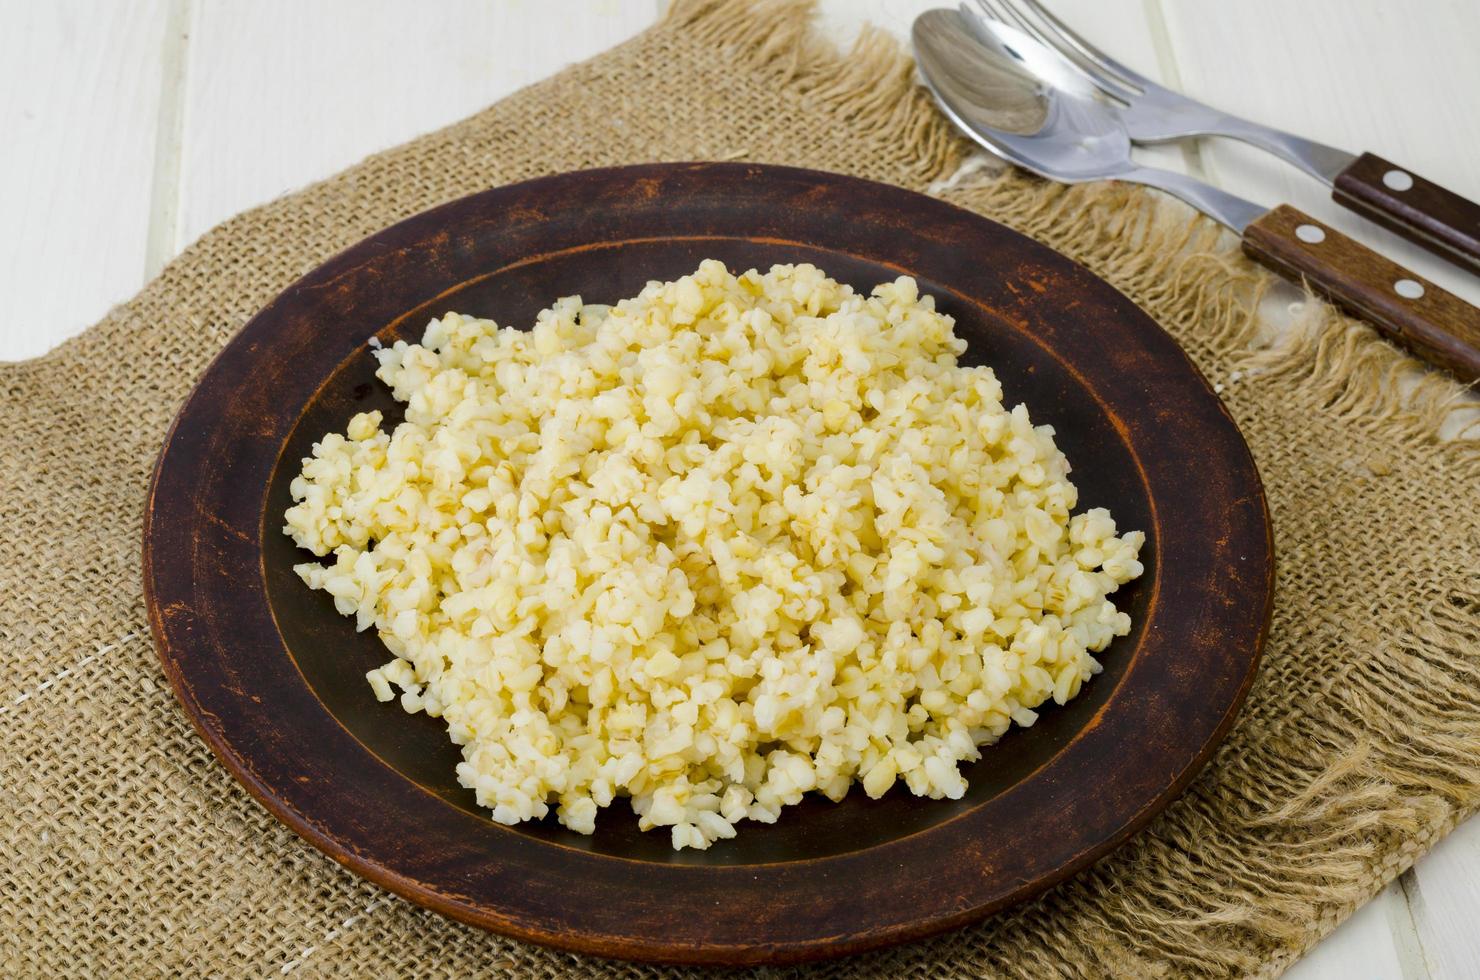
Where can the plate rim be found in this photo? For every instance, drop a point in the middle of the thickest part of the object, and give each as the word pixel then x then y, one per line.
pixel 174 653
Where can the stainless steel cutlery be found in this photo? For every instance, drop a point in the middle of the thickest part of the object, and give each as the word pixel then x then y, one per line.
pixel 1086 136
pixel 1440 220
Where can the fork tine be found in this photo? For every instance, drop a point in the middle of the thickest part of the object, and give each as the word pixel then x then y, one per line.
pixel 1061 36
pixel 1009 15
pixel 1005 12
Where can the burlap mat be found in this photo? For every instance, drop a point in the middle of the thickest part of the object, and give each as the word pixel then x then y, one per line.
pixel 129 851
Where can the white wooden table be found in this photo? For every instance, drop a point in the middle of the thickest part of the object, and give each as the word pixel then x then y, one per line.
pixel 128 129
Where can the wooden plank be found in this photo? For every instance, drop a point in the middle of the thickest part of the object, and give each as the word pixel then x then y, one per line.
pixel 79 94
pixel 281 93
pixel 1396 79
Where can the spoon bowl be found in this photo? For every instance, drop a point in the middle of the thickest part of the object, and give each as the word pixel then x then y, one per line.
pixel 1075 140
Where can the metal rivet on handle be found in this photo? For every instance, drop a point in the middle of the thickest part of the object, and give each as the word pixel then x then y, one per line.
pixel 1310 234
pixel 1398 180
pixel 1408 289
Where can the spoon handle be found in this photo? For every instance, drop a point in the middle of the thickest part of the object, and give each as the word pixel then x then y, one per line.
pixel 1435 325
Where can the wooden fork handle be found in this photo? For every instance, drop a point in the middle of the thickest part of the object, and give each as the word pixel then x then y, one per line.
pixel 1436 325
pixel 1397 198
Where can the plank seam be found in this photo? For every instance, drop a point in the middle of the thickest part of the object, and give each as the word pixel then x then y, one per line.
pixel 1171 75
pixel 1406 934
pixel 164 193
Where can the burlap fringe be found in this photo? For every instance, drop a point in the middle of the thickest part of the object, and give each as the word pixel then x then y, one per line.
pixel 1383 796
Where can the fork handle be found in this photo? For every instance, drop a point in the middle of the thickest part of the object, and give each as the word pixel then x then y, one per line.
pixel 1435 325
pixel 1418 209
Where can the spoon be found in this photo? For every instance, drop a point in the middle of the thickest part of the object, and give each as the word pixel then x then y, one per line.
pixel 1080 139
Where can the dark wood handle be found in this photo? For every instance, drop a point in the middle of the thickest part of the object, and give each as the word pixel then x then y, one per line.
pixel 1436 325
pixel 1396 198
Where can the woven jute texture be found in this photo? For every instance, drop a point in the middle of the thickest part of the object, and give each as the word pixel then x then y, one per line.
pixel 129 852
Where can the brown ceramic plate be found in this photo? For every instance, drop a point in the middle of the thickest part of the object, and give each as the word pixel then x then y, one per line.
pixel 273 678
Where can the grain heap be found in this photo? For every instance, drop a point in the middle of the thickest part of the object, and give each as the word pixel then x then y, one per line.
pixel 724 543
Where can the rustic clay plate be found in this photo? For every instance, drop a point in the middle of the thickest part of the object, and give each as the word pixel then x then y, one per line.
pixel 273 678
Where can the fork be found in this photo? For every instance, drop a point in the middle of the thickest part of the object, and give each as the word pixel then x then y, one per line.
pixel 1395 197
pixel 1083 139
